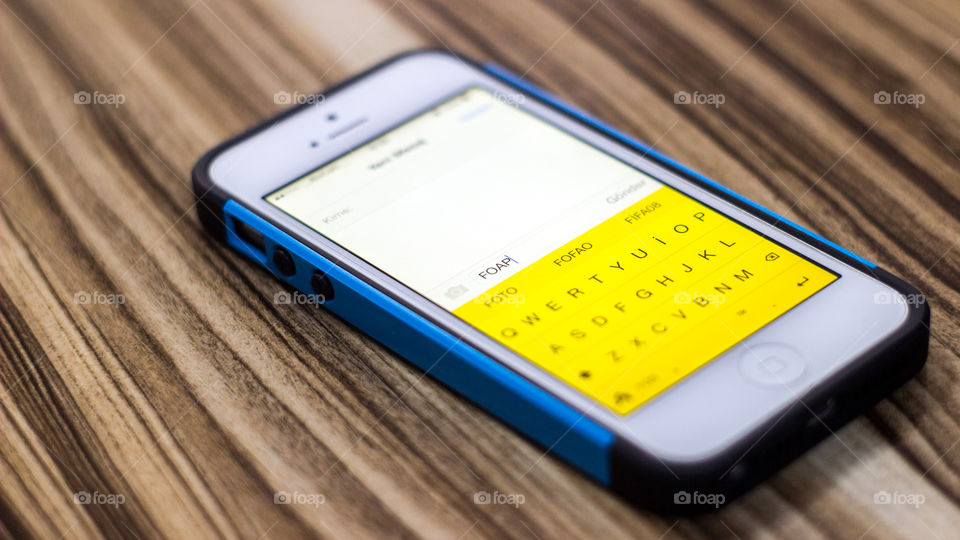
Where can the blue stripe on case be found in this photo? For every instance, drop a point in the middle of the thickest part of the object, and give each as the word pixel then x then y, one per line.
pixel 505 394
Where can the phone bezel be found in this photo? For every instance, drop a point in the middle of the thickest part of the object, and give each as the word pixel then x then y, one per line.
pixel 715 405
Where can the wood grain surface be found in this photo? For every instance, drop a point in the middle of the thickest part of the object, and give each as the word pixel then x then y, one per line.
pixel 148 371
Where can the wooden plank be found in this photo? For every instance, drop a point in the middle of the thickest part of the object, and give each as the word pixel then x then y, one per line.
pixel 139 359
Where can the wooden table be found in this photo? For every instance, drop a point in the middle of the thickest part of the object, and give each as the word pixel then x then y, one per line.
pixel 143 364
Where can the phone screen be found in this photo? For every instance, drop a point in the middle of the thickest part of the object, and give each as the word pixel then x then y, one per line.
pixel 606 278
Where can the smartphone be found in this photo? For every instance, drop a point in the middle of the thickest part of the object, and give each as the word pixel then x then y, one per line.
pixel 674 341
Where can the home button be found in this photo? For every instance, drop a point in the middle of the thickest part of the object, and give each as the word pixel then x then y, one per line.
pixel 771 363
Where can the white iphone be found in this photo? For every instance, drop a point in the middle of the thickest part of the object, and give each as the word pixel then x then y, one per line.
pixel 672 340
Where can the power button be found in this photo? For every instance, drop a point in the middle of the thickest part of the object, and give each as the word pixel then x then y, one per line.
pixel 321 286
pixel 284 261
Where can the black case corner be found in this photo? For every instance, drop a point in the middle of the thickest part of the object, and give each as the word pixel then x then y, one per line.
pixel 210 198
pixel 670 487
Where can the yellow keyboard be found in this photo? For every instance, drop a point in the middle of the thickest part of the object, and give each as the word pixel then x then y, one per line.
pixel 643 299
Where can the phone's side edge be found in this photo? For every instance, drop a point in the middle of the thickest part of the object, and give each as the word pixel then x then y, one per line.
pixel 518 402
pixel 569 434
pixel 522 405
